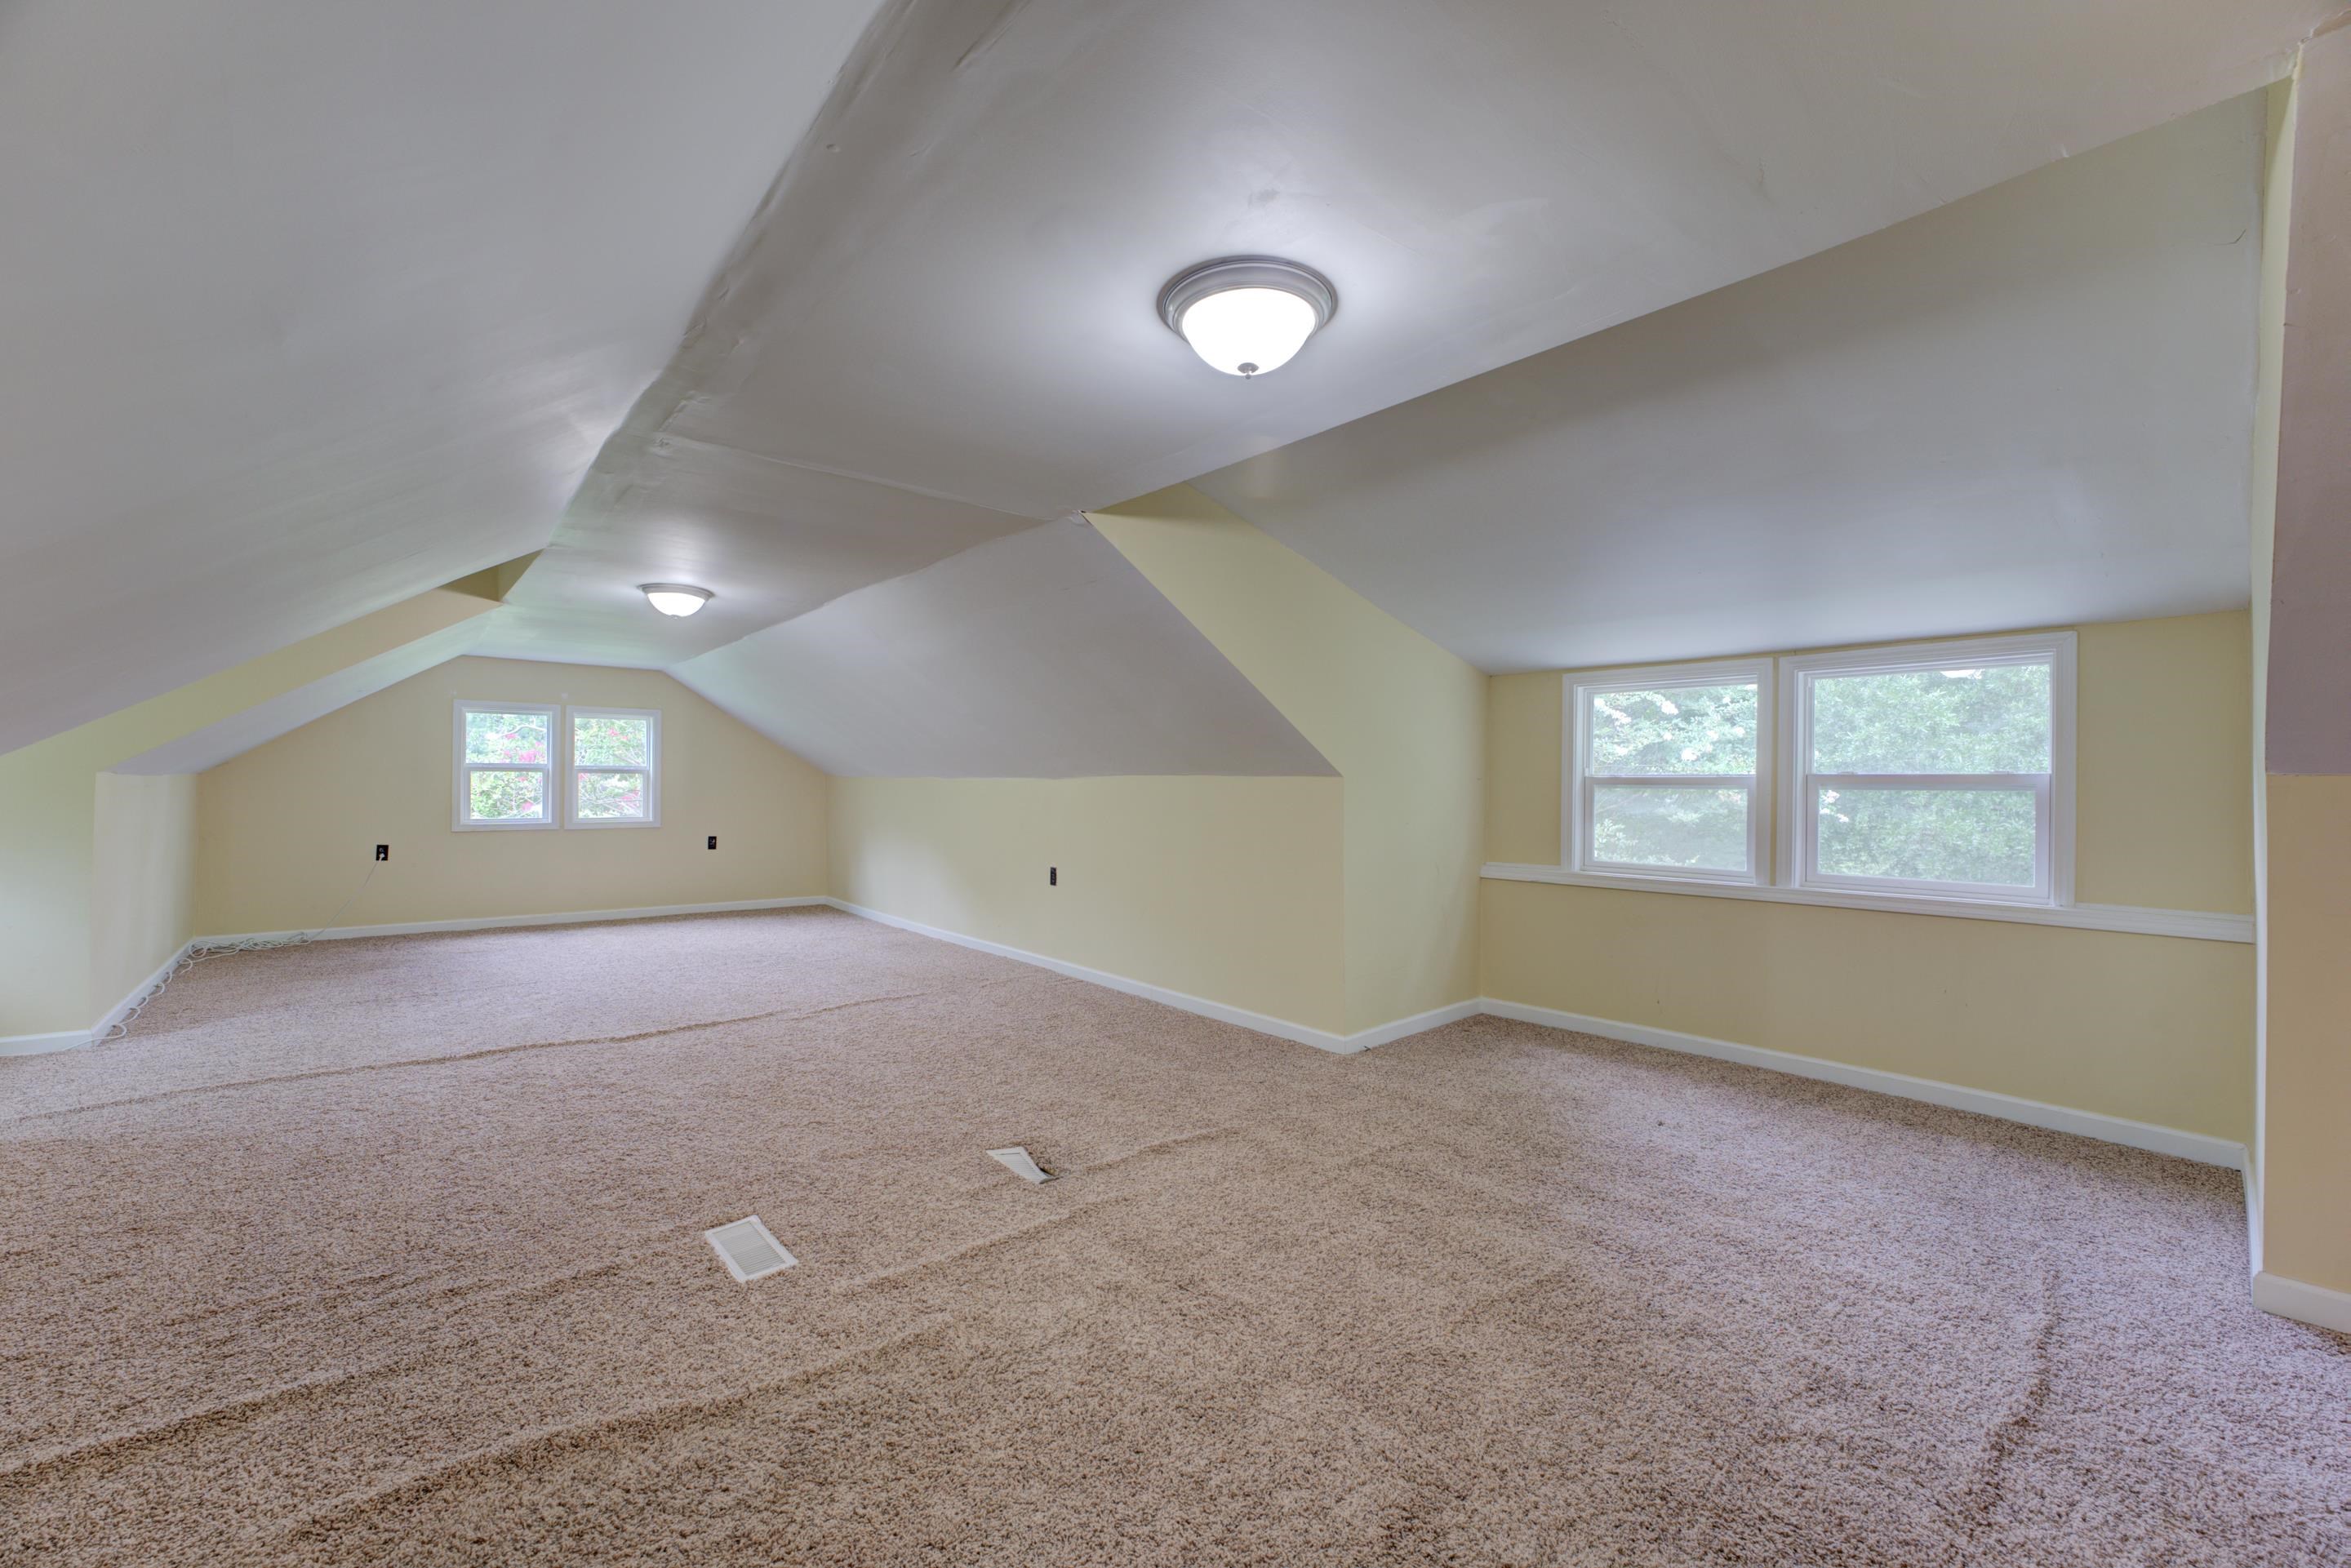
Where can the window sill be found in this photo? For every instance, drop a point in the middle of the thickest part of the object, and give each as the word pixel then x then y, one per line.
pixel 2196 925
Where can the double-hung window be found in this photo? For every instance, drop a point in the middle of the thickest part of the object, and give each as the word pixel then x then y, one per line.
pixel 1940 769
pixel 1665 768
pixel 535 765
pixel 506 765
pixel 1931 770
pixel 615 768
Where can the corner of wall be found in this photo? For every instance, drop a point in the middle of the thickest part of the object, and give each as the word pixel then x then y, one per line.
pixel 1402 719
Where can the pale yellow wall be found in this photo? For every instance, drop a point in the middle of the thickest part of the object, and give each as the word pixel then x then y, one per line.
pixel 2156 1029
pixel 2153 1029
pixel 287 831
pixel 2307 1179
pixel 1525 721
pixel 143 877
pixel 1401 719
pixel 48 831
pixel 2163 794
pixel 2303 1140
pixel 1229 889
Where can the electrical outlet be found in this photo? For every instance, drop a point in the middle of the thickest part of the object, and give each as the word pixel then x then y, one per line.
pixel 383 852
pixel 1052 876
pixel 714 841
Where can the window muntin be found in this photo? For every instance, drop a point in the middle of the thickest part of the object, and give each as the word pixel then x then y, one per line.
pixel 506 765
pixel 1935 770
pixel 1663 769
pixel 615 773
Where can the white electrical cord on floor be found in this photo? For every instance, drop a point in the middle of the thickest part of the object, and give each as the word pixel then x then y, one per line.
pixel 196 956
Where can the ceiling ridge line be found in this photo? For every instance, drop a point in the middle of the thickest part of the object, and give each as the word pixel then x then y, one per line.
pixel 667 439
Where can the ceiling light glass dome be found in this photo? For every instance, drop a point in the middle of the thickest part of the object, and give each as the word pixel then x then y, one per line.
pixel 680 599
pixel 1245 315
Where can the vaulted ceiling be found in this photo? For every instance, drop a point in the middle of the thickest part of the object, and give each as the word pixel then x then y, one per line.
pixel 2030 407
pixel 312 308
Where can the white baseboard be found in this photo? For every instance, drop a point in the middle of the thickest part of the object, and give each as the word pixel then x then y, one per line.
pixel 1263 1024
pixel 500 922
pixel 2305 1303
pixel 140 992
pixel 2252 1218
pixel 41 1044
pixel 68 1039
pixel 2173 1141
pixel 1435 1018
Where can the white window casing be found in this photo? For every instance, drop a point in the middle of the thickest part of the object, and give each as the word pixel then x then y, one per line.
pixel 577 771
pixel 548 769
pixel 1783 844
pixel 1577 810
pixel 2052 792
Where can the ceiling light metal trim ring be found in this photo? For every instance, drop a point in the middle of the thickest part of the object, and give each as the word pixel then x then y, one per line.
pixel 1196 283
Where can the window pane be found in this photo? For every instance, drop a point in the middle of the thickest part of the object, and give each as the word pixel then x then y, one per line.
pixel 505 737
pixel 498 797
pixel 612 797
pixel 1684 730
pixel 1992 720
pixel 1939 835
pixel 610 742
pixel 1634 824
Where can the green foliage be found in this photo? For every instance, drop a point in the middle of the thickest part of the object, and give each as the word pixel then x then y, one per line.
pixel 1945 835
pixel 1646 825
pixel 604 797
pixel 505 737
pixel 508 797
pixel 1684 730
pixel 610 742
pixel 1989 721
pixel 1676 731
pixel 1993 720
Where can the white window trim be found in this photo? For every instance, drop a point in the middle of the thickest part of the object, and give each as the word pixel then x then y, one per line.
pixel 2198 924
pixel 652 770
pixel 2054 793
pixel 1575 804
pixel 462 795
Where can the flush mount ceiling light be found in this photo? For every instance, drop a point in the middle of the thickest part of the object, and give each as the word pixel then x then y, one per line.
pixel 1246 315
pixel 679 598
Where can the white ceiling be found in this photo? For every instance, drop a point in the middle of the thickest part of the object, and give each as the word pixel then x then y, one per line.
pixel 312 308
pixel 2031 406
pixel 1044 655
pixel 948 294
pixel 309 308
pixel 769 540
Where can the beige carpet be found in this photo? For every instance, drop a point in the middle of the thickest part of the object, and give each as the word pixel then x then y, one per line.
pixel 388 1251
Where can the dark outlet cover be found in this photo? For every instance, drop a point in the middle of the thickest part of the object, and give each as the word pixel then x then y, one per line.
pixel 383 852
pixel 1052 876
pixel 714 841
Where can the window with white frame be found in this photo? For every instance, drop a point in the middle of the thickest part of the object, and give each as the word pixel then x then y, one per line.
pixel 535 765
pixel 1664 768
pixel 507 765
pixel 615 768
pixel 1933 771
pixel 1941 770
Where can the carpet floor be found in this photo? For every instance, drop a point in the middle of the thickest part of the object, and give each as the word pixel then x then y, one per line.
pixel 390 1251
